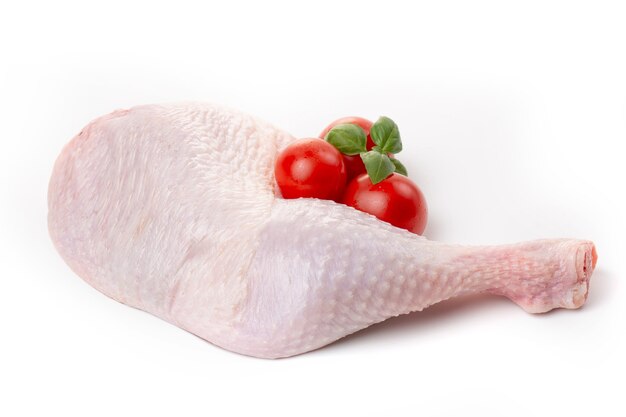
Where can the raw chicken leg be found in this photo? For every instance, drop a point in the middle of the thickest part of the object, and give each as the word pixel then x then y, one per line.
pixel 172 209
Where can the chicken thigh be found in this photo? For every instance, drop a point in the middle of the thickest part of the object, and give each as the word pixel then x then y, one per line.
pixel 172 209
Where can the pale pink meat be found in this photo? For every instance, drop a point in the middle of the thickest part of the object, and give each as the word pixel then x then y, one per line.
pixel 172 209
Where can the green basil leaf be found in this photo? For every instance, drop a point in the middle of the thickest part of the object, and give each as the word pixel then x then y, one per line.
pixel 378 165
pixel 349 139
pixel 386 135
pixel 400 168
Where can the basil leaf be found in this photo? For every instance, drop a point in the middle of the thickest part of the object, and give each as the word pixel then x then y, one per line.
pixel 400 168
pixel 349 139
pixel 378 165
pixel 386 135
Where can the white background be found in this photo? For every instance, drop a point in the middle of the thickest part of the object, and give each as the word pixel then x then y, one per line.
pixel 513 116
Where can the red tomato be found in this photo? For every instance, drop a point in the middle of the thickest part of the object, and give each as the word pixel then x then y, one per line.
pixel 395 200
pixel 310 168
pixel 364 124
pixel 354 164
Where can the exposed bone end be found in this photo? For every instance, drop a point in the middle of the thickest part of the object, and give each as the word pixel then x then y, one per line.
pixel 570 288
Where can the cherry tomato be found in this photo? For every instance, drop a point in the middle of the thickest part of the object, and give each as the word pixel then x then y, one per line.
pixel 354 164
pixel 364 124
pixel 395 200
pixel 310 168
